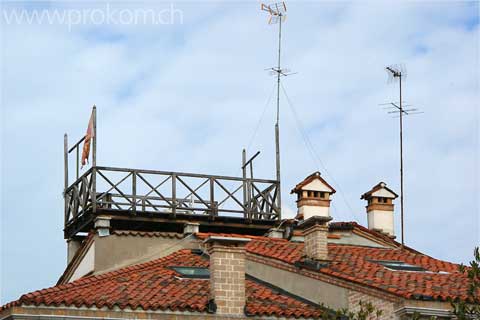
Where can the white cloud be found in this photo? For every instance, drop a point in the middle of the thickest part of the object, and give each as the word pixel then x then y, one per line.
pixel 187 98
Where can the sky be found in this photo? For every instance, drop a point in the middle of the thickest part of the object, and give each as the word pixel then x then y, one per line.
pixel 187 91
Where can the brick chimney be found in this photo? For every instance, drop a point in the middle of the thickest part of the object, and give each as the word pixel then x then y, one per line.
pixel 227 274
pixel 380 208
pixel 313 197
pixel 315 231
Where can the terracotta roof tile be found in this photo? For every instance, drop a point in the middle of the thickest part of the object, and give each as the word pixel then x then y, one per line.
pixel 356 264
pixel 148 234
pixel 154 286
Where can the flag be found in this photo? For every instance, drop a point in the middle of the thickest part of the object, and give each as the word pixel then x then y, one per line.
pixel 88 138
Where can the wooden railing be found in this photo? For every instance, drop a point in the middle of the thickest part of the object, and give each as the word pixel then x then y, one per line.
pixel 147 191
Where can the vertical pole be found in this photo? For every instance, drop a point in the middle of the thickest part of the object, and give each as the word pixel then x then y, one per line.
pixel 134 192
pixel 65 159
pixel 244 160
pixel 244 183
pixel 174 195
pixel 78 164
pixel 278 68
pixel 277 129
pixel 213 205
pixel 401 162
pixel 94 161
pixel 94 156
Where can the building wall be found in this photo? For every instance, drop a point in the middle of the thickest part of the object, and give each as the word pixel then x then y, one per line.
pixel 117 251
pixel 310 289
pixel 387 307
pixel 87 264
pixel 348 237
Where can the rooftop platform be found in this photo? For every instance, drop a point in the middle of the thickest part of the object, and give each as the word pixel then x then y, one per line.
pixel 150 200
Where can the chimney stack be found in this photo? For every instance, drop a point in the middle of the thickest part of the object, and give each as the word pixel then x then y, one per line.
pixel 380 208
pixel 315 231
pixel 227 274
pixel 313 197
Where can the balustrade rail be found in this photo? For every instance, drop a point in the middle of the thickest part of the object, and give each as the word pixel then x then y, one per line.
pixel 147 191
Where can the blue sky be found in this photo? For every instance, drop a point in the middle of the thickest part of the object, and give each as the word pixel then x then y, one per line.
pixel 187 96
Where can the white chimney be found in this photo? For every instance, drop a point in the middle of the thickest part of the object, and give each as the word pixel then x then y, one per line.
pixel 380 208
pixel 313 197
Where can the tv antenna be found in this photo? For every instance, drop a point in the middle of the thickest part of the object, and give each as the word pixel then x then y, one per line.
pixel 277 12
pixel 398 73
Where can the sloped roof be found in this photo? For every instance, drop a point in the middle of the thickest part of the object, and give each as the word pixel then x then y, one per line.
pixel 356 264
pixel 154 286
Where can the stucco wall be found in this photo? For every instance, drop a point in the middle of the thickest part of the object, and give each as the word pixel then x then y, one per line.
pixel 354 239
pixel 310 289
pixel 87 264
pixel 116 251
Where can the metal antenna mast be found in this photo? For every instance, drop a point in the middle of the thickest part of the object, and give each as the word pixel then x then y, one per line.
pixel 277 13
pixel 398 73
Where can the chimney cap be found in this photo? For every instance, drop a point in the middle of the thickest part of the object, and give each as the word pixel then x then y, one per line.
pixel 314 176
pixel 315 220
pixel 379 186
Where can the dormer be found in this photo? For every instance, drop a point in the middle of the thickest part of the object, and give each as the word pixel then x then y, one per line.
pixel 313 196
pixel 380 208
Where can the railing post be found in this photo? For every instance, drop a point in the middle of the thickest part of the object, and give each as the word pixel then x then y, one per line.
pixel 134 192
pixel 77 169
pixel 244 184
pixel 174 195
pixel 249 200
pixel 213 206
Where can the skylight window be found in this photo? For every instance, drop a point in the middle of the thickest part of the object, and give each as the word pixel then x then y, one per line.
pixel 193 272
pixel 400 266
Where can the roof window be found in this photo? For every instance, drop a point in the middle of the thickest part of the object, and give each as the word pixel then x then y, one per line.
pixel 400 266
pixel 193 272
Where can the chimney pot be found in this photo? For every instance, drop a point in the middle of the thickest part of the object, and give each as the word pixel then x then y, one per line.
pixel 313 196
pixel 380 208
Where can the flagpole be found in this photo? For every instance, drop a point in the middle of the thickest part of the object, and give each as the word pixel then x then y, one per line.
pixel 94 161
pixel 94 156
pixel 65 163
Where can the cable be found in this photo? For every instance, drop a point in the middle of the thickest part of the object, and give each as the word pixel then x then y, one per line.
pixel 259 122
pixel 314 154
pixel 261 118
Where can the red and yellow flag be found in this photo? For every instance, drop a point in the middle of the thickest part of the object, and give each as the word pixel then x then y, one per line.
pixel 88 139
